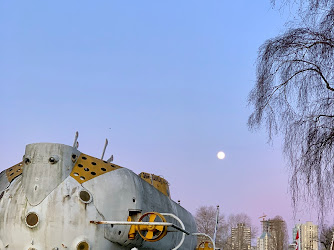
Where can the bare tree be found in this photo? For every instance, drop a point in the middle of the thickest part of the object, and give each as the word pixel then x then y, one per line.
pixel 279 233
pixel 326 235
pixel 206 220
pixel 294 95
pixel 234 219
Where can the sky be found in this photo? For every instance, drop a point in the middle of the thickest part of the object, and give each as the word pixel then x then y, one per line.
pixel 165 81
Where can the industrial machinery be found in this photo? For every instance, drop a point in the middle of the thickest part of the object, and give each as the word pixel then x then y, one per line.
pixel 60 198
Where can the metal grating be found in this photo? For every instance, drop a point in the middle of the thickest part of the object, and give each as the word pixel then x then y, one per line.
pixel 88 167
pixel 14 171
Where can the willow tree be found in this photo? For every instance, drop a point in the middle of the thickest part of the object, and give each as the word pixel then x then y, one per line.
pixel 294 96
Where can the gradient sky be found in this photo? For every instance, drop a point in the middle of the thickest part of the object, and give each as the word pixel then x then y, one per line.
pixel 165 81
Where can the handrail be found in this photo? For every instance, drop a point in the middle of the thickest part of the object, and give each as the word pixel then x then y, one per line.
pixel 203 234
pixel 140 223
pixel 183 229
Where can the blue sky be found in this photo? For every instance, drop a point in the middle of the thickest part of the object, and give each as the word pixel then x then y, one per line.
pixel 165 81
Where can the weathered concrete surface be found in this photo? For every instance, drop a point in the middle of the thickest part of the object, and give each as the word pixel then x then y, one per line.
pixel 47 190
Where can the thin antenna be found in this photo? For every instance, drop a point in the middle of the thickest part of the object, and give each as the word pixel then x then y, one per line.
pixel 76 144
pixel 104 150
pixel 110 159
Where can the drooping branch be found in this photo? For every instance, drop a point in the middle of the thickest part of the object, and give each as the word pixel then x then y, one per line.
pixel 294 95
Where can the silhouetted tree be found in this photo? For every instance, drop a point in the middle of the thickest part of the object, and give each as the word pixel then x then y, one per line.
pixel 206 220
pixel 294 95
pixel 279 233
pixel 234 219
pixel 326 235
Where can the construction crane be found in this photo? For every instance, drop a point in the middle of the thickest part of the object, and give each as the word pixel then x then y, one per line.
pixel 263 217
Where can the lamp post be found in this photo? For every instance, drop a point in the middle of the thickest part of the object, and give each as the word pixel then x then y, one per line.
pixel 216 226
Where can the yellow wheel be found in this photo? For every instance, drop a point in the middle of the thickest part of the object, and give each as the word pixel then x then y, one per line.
pixel 205 245
pixel 152 233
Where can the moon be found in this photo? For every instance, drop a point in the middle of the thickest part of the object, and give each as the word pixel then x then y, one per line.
pixel 221 155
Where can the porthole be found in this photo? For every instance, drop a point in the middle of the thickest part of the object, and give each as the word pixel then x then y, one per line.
pixel 80 165
pixel 82 178
pixel 84 157
pixel 85 196
pixel 94 163
pixel 76 174
pixel 103 169
pixel 83 245
pixel 54 159
pixel 32 219
pixel 27 160
pixel 74 157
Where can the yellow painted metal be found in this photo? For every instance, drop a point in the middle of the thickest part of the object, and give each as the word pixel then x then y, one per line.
pixel 158 182
pixel 14 171
pixel 132 231
pixel 88 167
pixel 152 233
pixel 204 246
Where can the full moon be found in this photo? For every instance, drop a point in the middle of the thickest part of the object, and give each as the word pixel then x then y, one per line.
pixel 221 155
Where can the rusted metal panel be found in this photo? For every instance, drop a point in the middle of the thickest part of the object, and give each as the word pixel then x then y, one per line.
pixel 4 183
pixel 157 181
pixel 88 167
pixel 14 171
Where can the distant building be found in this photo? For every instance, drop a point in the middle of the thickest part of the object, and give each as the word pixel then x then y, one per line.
pixel 240 237
pixel 308 235
pixel 264 242
pixel 292 247
pixel 272 237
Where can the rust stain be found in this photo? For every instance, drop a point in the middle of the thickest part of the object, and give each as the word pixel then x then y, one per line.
pixel 14 171
pixel 88 167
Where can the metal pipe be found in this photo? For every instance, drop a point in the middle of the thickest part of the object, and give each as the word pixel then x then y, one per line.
pixel 104 149
pixel 140 223
pixel 183 229
pixel 75 139
pixel 132 223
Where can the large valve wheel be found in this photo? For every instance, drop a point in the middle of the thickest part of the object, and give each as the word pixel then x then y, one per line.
pixel 205 245
pixel 152 233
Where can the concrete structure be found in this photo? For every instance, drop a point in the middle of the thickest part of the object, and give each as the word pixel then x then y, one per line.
pixel 49 200
pixel 241 237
